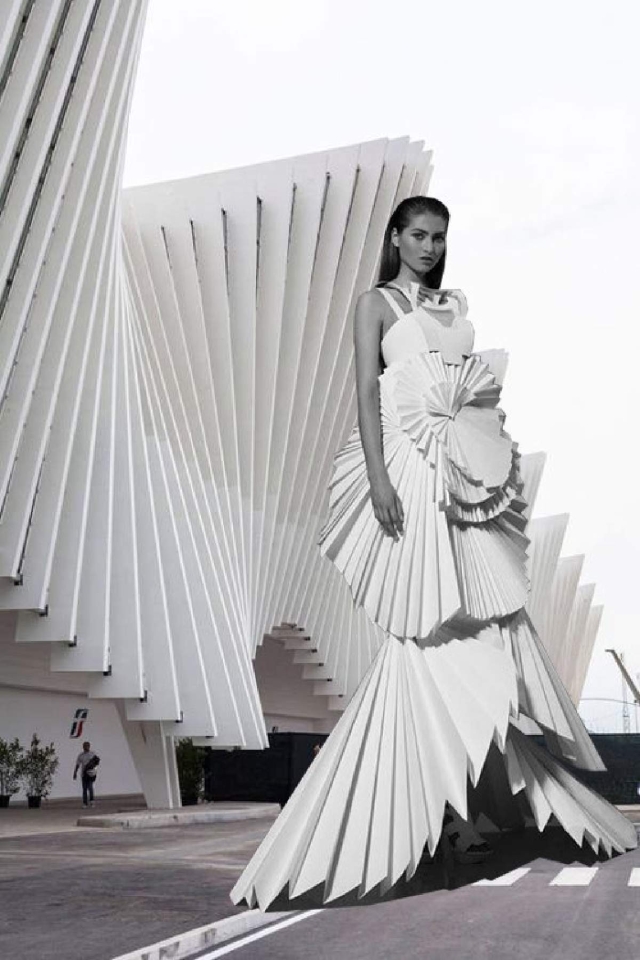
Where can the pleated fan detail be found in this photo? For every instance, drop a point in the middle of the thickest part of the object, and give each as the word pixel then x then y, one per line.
pixel 442 437
pixel 553 791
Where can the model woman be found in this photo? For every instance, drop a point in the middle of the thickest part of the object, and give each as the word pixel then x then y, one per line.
pixel 426 525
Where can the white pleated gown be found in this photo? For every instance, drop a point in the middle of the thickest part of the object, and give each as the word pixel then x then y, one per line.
pixel 461 664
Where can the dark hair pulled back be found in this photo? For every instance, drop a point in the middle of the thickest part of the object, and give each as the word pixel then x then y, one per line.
pixel 400 220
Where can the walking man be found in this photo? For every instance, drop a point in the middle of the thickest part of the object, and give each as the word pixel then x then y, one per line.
pixel 87 763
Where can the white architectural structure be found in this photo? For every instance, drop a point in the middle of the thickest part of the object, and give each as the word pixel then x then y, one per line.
pixel 175 376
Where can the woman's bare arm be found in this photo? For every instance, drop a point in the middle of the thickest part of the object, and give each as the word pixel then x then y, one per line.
pixel 367 330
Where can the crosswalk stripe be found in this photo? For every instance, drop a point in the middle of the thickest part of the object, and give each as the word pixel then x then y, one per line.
pixel 506 880
pixel 574 877
pixel 567 877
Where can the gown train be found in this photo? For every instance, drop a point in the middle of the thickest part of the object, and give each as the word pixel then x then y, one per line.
pixel 418 728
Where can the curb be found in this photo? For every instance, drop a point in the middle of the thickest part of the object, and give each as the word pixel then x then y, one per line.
pixel 149 819
pixel 192 941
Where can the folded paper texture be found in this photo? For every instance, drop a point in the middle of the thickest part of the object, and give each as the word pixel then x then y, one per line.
pixel 462 670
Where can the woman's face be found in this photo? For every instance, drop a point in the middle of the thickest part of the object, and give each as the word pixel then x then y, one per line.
pixel 422 243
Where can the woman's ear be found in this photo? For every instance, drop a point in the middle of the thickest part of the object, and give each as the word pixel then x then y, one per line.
pixel 395 238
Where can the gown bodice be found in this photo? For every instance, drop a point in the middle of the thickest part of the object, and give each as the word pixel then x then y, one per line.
pixel 428 326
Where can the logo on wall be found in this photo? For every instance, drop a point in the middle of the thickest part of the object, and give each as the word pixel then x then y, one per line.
pixel 79 718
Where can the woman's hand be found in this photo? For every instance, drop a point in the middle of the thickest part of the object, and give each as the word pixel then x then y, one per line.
pixel 387 507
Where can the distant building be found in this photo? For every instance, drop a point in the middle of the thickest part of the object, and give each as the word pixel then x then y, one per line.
pixel 175 376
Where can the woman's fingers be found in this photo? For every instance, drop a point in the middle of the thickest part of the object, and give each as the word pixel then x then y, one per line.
pixel 382 516
pixel 399 514
pixel 396 514
pixel 390 521
pixel 395 520
pixel 388 525
pixel 390 516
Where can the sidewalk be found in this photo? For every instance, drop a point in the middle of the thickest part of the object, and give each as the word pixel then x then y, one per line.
pixel 218 812
pixel 127 812
pixel 59 816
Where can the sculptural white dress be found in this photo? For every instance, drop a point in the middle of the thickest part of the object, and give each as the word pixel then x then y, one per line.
pixel 461 664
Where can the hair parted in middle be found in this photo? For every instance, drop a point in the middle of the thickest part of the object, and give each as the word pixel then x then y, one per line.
pixel 400 219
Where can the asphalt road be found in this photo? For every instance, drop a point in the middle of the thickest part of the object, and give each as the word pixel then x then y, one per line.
pixel 532 918
pixel 96 894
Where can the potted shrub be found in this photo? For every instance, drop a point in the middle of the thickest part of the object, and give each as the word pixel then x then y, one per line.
pixel 190 761
pixel 37 768
pixel 10 758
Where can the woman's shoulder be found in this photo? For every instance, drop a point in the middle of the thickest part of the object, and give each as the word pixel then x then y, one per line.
pixel 372 295
pixel 372 301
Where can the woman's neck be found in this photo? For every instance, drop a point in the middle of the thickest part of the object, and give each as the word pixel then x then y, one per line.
pixel 406 276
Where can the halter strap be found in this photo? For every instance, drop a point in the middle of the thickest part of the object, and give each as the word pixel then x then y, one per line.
pixel 457 302
pixel 413 294
pixel 395 306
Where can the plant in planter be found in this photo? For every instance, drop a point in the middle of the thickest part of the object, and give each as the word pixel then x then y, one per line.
pixel 37 768
pixel 190 760
pixel 10 758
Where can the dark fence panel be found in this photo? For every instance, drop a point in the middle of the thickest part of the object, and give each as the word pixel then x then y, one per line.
pixel 264 775
pixel 620 753
pixel 272 775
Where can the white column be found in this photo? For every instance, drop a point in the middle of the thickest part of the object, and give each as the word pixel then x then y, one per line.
pixel 154 758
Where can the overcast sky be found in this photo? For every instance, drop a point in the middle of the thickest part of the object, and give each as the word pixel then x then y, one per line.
pixel 532 112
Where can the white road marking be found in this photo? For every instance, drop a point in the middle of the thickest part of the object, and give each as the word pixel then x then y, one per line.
pixel 574 877
pixel 634 879
pixel 265 932
pixel 506 880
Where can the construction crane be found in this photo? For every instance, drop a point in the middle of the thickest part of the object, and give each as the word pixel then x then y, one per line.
pixel 626 720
